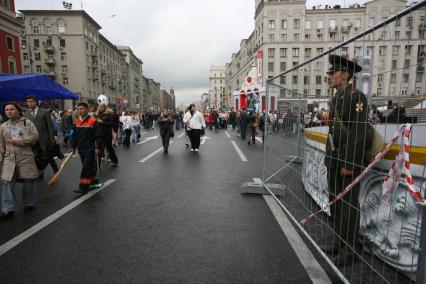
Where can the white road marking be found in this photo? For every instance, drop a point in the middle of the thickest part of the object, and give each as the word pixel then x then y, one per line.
pixel 227 134
pixel 153 154
pixel 148 139
pixel 259 139
pixel 49 220
pixel 239 152
pixel 311 265
pixel 203 140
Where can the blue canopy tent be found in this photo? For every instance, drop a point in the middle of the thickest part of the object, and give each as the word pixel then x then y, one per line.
pixel 18 87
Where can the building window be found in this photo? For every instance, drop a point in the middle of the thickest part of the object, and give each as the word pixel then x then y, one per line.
pixel 320 50
pixel 62 42
pixel 404 92
pixel 393 78
pixel 296 37
pixel 394 64
pixel 407 49
pixel 36 43
pixel 61 27
pixel 306 80
pixel 10 43
pixel 25 56
pixel 419 77
pixel 308 24
pixel 407 63
pixel 38 68
pixel 295 63
pixel 283 66
pixel 318 92
pixel 405 78
pixel 395 50
pixel 36 30
pixel 26 69
pixel 12 65
pixel 283 37
pixel 37 56
pixel 63 56
pixel 307 38
pixel 65 81
pixel 283 52
pixel 397 35
pixel 307 52
pixel 295 80
pixel 320 24
pixel 271 67
pixel 49 30
pixel 398 22
pixel 64 69
pixel 271 52
pixel 295 52
pixel 283 24
pixel 283 80
pixel 318 80
pixel 382 50
pixel 408 35
pixel 272 24
pixel 271 38
pixel 410 22
pixel 296 24
pixel 320 37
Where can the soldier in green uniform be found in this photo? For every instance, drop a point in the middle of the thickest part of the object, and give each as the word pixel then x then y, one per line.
pixel 345 152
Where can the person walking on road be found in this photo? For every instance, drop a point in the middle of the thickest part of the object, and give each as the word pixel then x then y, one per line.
pixel 243 123
pixel 196 126
pixel 17 136
pixel 106 120
pixel 187 139
pixel 43 122
pixel 347 141
pixel 66 126
pixel 88 140
pixel 252 124
pixel 135 123
pixel 165 123
pixel 127 127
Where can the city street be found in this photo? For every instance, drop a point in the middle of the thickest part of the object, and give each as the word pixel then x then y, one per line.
pixel 161 218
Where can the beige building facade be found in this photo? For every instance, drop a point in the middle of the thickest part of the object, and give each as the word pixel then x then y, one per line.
pixel 217 91
pixel 132 78
pixel 287 34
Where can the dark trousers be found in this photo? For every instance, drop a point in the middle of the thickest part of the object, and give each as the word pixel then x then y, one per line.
pixel 345 216
pixel 88 171
pixel 110 149
pixel 243 130
pixel 165 137
pixel 195 137
pixel 126 141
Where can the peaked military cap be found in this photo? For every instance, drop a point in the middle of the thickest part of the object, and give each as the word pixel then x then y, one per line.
pixel 339 63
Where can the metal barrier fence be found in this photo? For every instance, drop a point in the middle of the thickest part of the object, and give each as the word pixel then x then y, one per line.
pixel 316 147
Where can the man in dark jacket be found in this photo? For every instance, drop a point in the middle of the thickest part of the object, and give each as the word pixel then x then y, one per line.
pixel 345 150
pixel 243 123
pixel 43 122
pixel 107 122
pixel 87 138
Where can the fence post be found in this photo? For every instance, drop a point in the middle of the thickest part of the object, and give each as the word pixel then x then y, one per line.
pixel 421 259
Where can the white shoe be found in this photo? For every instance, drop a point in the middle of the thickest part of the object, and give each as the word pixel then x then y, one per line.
pixel 192 150
pixel 196 150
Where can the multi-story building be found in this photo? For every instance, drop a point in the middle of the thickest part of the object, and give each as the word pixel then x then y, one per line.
pixel 167 101
pixel 132 77
pixel 63 44
pixel 217 96
pixel 151 95
pixel 10 48
pixel 112 80
pixel 287 34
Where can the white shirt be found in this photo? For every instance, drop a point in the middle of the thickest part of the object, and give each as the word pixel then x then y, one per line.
pixel 196 121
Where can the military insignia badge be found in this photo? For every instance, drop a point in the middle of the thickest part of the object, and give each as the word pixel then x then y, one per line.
pixel 359 107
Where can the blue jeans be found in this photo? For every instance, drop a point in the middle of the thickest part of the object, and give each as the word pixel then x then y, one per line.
pixel 136 131
pixel 8 200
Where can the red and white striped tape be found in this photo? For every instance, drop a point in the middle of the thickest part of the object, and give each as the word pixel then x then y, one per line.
pixel 401 130
pixel 402 164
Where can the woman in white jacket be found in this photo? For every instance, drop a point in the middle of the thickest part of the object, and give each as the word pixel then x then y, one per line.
pixel 196 124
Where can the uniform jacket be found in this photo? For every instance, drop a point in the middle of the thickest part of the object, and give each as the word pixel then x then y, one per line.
pixel 44 125
pixel 349 129
pixel 18 160
pixel 87 135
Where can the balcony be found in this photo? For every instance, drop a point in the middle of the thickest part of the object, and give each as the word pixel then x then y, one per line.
pixel 49 48
pixel 50 61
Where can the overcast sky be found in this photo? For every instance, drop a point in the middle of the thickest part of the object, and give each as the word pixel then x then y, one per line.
pixel 177 40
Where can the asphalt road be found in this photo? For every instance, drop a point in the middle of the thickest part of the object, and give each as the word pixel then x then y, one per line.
pixel 176 218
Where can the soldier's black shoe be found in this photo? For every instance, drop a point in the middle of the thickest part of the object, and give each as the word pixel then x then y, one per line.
pixel 8 215
pixel 80 191
pixel 343 260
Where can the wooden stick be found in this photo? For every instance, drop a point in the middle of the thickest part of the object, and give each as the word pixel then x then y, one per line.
pixel 55 178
